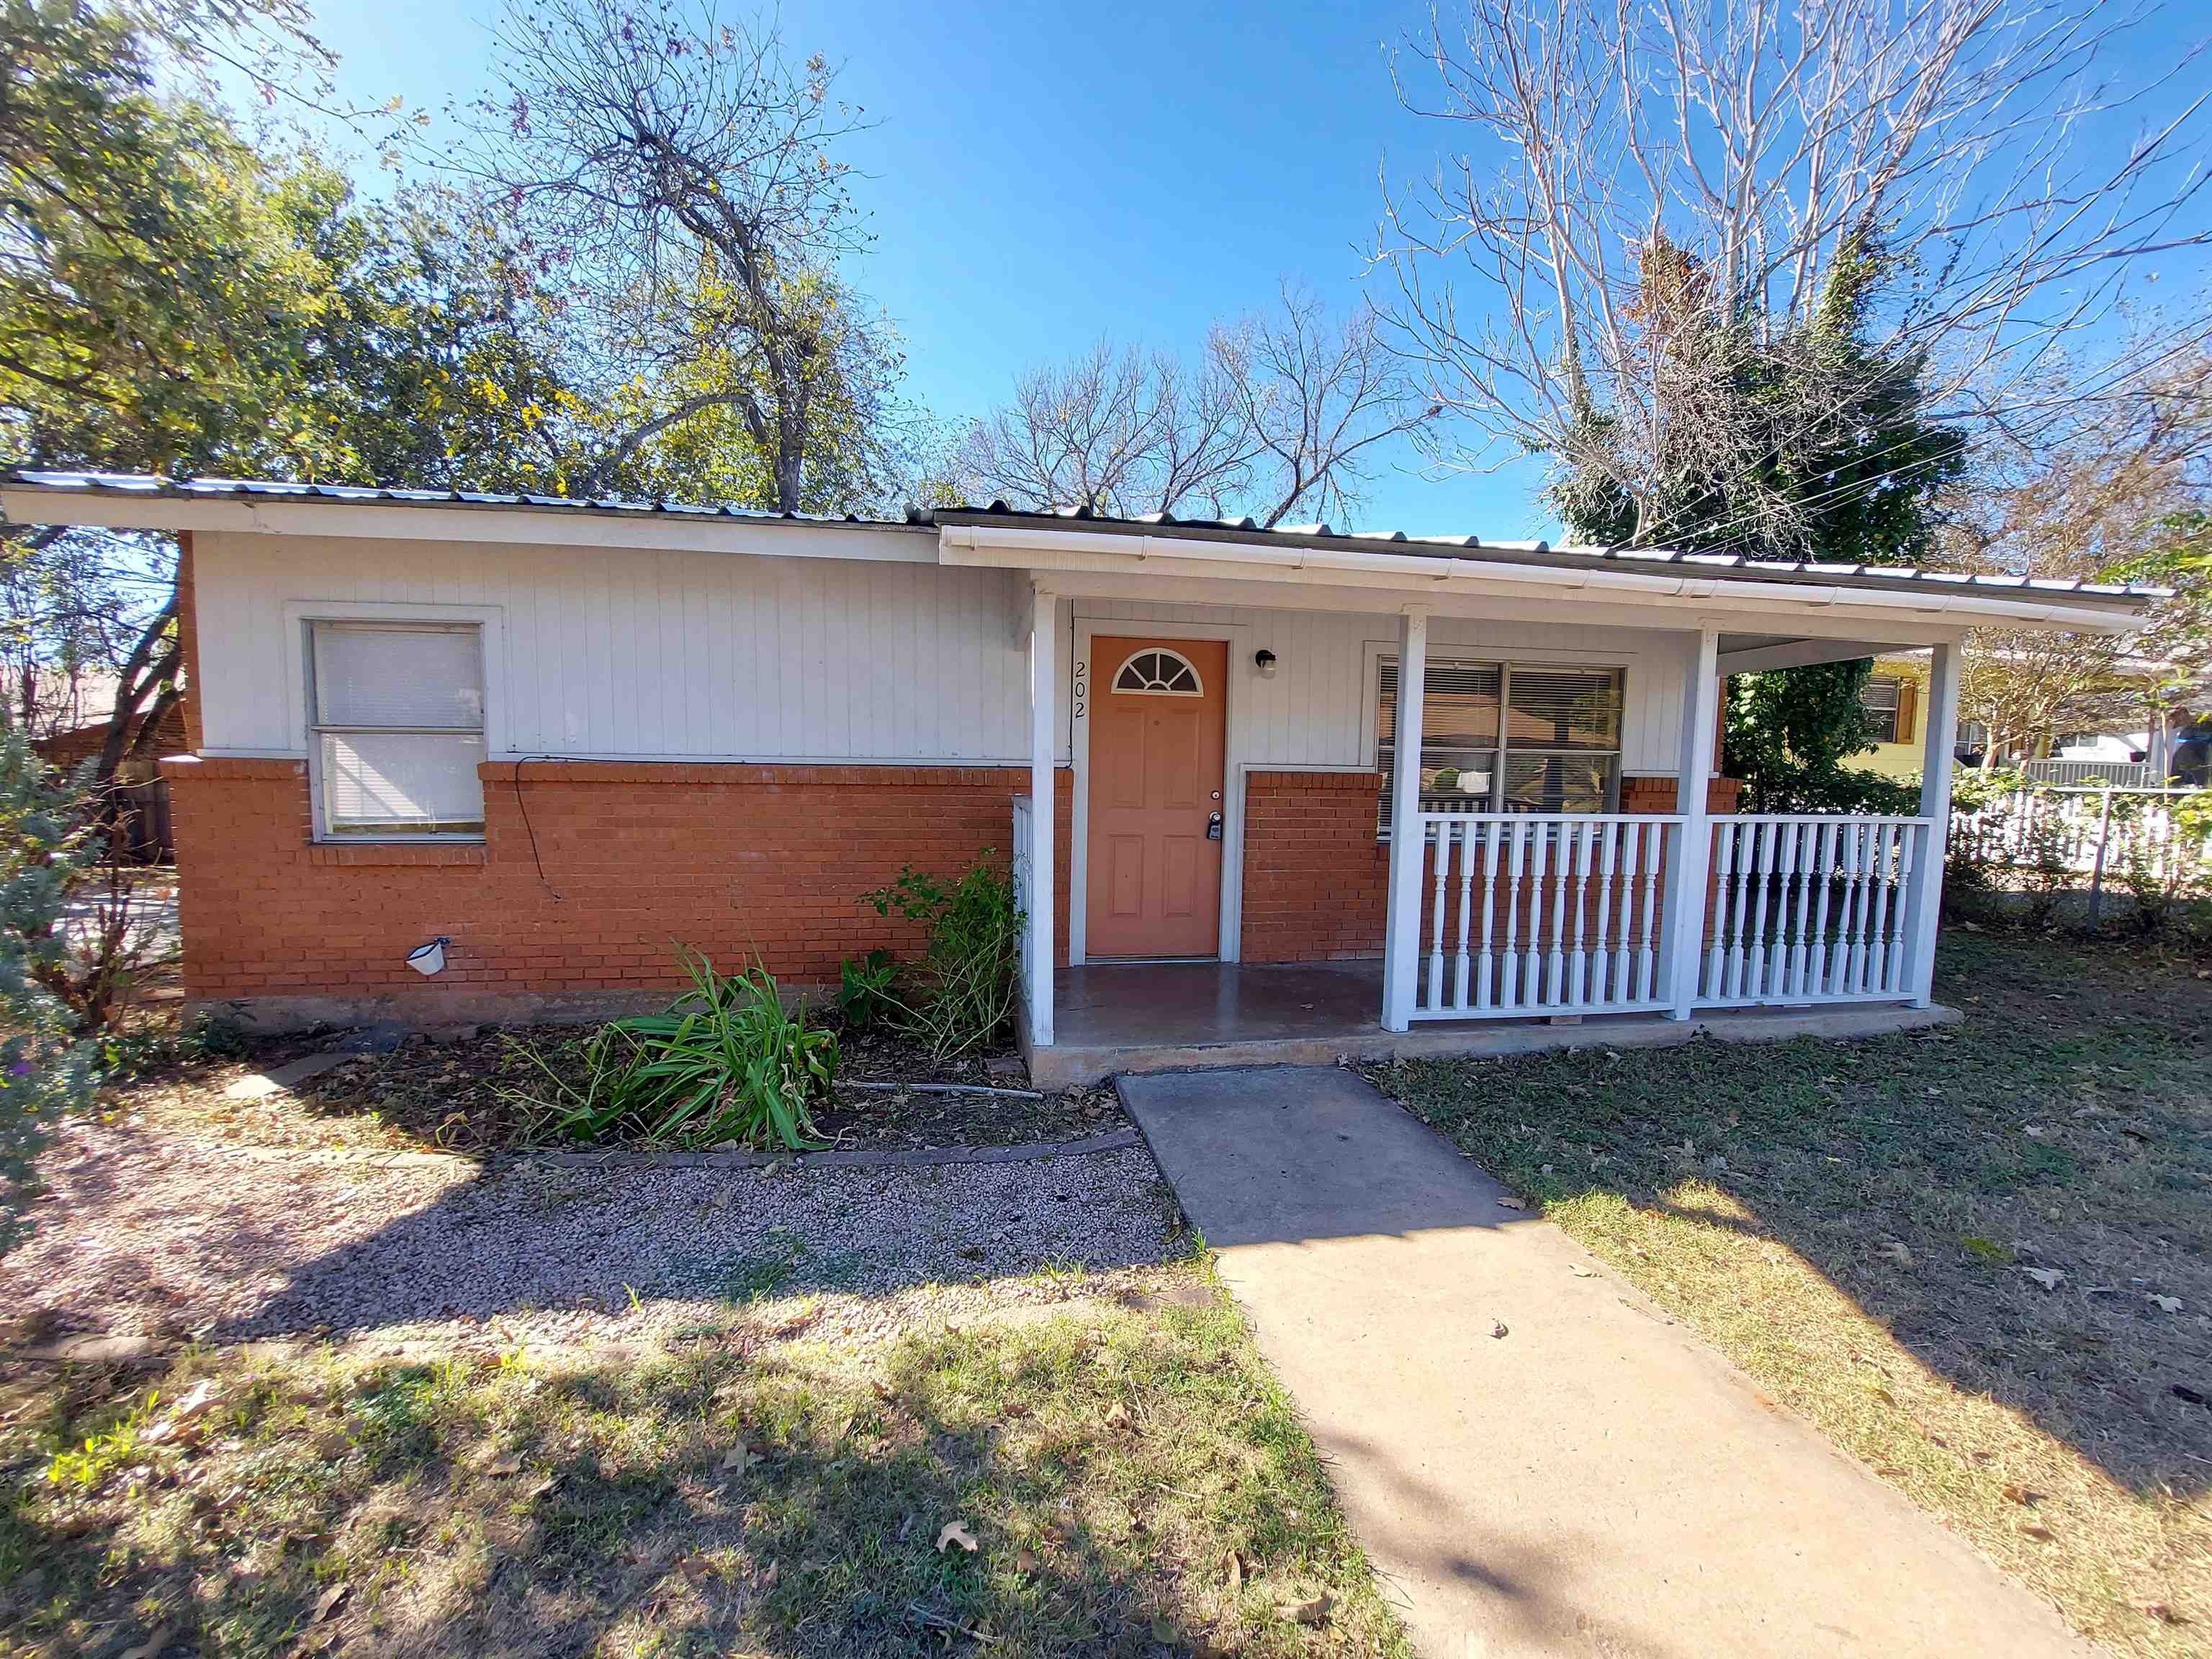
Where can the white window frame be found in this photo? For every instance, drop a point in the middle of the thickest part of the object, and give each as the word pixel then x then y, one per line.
pixel 489 622
pixel 1500 751
pixel 1197 687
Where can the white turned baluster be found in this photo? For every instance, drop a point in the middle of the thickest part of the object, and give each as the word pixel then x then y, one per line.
pixel 1510 984
pixel 1908 836
pixel 1763 837
pixel 1532 969
pixel 1877 966
pixel 1747 849
pixel 1716 952
pixel 1647 966
pixel 1441 857
pixel 1784 938
pixel 1806 833
pixel 1852 940
pixel 1605 983
pixel 1490 834
pixel 1462 970
pixel 1824 878
pixel 1562 838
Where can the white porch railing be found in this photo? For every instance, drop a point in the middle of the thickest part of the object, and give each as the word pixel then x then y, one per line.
pixel 1020 872
pixel 1536 913
pixel 1532 914
pixel 1810 909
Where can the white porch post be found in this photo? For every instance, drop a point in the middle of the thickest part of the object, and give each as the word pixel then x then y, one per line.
pixel 1942 742
pixel 1684 917
pixel 1044 615
pixel 1401 926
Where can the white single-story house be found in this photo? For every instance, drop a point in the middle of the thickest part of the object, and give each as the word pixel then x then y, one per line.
pixel 563 737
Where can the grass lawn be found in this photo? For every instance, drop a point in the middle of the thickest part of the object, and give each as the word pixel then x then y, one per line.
pixel 1869 1229
pixel 1132 1481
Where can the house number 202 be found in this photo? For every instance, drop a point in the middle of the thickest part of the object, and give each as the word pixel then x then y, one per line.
pixel 1082 687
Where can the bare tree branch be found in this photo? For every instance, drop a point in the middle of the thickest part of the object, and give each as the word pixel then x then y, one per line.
pixel 1279 416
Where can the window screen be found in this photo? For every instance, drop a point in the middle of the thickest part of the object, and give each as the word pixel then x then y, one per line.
pixel 397 726
pixel 1881 699
pixel 1499 738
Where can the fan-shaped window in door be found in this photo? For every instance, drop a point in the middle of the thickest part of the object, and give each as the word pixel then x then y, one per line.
pixel 1158 673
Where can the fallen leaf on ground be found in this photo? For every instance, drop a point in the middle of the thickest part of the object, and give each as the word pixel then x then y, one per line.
pixel 327 1603
pixel 739 1458
pixel 1234 1566
pixel 1511 1203
pixel 956 1532
pixel 151 1646
pixel 2168 1304
pixel 1896 1250
pixel 1498 1329
pixel 1307 1613
pixel 2050 1277
pixel 2026 1496
pixel 2163 1613
pixel 1117 1417
pixel 510 1464
pixel 2041 1534
pixel 1025 1561
pixel 1583 1272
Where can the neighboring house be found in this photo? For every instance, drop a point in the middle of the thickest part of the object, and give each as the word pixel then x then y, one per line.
pixel 1897 691
pixel 73 717
pixel 564 736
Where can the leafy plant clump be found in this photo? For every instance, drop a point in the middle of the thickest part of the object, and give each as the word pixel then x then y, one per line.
pixel 962 997
pixel 726 1061
pixel 865 992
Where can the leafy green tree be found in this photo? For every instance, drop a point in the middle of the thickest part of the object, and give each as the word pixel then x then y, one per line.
pixel 1852 474
pixel 44 1067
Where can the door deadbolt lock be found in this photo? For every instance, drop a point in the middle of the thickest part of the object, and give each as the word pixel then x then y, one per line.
pixel 1213 827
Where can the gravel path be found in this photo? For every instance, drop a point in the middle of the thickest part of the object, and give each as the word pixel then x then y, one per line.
pixel 143 1233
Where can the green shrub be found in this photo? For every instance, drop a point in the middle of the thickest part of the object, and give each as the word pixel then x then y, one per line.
pixel 964 995
pixel 726 1061
pixel 864 993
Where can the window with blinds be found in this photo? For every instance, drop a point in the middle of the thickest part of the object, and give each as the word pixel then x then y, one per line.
pixel 1498 738
pixel 397 727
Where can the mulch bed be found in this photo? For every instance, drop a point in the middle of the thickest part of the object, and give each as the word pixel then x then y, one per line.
pixel 457 1094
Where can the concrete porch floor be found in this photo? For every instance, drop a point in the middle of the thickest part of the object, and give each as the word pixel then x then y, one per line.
pixel 1116 1018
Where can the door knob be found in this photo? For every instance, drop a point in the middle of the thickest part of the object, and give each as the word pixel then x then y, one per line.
pixel 1213 827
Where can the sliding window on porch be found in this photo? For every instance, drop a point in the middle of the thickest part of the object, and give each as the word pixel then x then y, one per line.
pixel 1501 738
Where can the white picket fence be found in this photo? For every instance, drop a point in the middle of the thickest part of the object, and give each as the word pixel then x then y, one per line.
pixel 2081 837
pixel 1809 909
pixel 1532 914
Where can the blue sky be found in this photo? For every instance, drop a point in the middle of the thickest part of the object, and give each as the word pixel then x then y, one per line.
pixel 1041 175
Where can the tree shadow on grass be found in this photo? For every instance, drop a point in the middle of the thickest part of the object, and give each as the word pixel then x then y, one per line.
pixel 721 1499
pixel 2065 1127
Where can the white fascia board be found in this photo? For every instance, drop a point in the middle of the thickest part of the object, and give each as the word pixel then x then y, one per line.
pixel 1429 578
pixel 385 522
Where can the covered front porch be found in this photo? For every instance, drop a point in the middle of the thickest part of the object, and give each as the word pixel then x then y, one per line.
pixel 1593 885
pixel 1117 1018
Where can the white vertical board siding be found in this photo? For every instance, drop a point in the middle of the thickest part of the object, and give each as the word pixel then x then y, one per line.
pixel 1314 713
pixel 622 653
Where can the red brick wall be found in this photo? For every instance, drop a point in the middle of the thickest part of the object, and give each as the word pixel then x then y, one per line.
pixel 733 859
pixel 1315 878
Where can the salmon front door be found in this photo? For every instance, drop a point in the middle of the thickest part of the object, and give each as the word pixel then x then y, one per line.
pixel 1157 729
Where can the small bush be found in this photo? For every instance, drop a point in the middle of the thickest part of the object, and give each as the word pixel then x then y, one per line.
pixel 864 993
pixel 727 1061
pixel 964 995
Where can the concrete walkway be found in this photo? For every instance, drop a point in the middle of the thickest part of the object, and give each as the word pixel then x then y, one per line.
pixel 1597 1481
